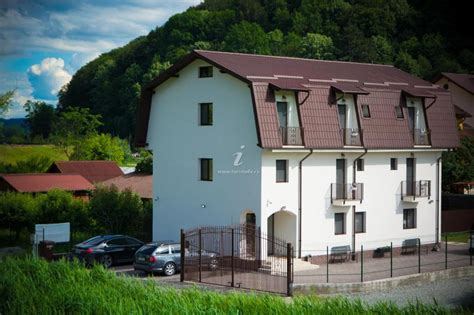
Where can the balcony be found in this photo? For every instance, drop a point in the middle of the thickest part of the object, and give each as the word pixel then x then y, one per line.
pixel 292 136
pixel 421 136
pixel 352 136
pixel 346 194
pixel 416 189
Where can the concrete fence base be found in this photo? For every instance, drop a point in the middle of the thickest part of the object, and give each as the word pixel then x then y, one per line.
pixel 384 284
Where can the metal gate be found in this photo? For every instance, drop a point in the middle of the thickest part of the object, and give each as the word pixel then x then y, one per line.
pixel 238 256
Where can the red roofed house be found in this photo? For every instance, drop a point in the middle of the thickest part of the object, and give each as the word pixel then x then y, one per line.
pixel 461 86
pixel 93 171
pixel 41 183
pixel 141 184
pixel 319 153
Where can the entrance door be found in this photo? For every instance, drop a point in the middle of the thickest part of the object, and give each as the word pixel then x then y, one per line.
pixel 340 178
pixel 411 176
pixel 250 222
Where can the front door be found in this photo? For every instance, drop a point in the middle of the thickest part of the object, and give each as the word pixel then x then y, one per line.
pixel 340 178
pixel 250 222
pixel 411 176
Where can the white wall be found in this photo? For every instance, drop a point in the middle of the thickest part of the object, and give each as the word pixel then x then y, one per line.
pixel 178 142
pixel 382 200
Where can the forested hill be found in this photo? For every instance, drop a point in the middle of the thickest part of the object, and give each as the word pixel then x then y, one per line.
pixel 423 37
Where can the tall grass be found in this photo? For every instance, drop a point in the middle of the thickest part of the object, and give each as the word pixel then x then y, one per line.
pixel 32 286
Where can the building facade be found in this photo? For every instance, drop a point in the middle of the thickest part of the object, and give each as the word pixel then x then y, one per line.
pixel 318 153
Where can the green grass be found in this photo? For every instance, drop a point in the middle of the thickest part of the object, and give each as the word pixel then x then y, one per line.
pixel 459 237
pixel 36 287
pixel 12 153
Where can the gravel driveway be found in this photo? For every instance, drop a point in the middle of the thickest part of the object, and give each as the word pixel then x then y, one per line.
pixel 447 292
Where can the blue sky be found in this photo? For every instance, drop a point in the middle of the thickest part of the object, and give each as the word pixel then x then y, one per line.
pixel 44 42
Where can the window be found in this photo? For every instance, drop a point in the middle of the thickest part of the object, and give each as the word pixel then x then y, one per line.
pixel 206 169
pixel 281 171
pixel 446 86
pixel 205 72
pixel 163 250
pixel 409 218
pixel 360 222
pixel 175 249
pixel 365 111
pixel 205 114
pixel 399 112
pixel 393 164
pixel 340 223
pixel 360 164
pixel 117 242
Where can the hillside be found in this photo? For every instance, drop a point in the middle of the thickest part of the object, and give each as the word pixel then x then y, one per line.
pixel 420 36
pixel 10 154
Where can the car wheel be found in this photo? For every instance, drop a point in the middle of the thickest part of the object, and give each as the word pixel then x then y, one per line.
pixel 106 261
pixel 213 264
pixel 169 269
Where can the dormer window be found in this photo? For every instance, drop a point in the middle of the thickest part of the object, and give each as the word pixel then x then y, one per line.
pixel 399 112
pixel 365 111
pixel 205 72
pixel 416 120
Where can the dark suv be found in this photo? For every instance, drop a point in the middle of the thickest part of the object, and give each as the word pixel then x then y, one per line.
pixel 165 256
pixel 107 249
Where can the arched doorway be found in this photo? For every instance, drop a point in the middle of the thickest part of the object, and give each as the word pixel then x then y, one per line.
pixel 281 225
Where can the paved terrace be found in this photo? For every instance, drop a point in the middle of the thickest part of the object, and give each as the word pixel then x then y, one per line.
pixel 379 268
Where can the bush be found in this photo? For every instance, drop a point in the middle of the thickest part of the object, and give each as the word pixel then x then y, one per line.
pixel 115 211
pixel 17 212
pixel 145 164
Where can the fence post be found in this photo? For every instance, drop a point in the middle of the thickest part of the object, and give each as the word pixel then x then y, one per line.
pixel 327 264
pixel 391 259
pixel 232 260
pixel 419 256
pixel 470 247
pixel 200 252
pixel 446 251
pixel 361 263
pixel 289 273
pixel 182 252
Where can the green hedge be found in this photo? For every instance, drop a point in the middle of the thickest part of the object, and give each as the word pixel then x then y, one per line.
pixel 31 286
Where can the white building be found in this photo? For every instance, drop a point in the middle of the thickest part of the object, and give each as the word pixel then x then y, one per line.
pixel 319 153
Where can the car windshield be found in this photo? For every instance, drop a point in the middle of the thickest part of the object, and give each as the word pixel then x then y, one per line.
pixel 147 250
pixel 96 240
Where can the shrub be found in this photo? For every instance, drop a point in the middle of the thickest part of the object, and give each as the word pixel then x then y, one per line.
pixel 17 212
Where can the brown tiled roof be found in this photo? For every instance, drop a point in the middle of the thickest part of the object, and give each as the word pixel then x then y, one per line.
pixel 141 184
pixel 380 86
pixel 46 182
pixel 461 112
pixel 94 171
pixel 464 80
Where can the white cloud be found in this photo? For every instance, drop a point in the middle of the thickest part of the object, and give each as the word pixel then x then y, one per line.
pixel 47 78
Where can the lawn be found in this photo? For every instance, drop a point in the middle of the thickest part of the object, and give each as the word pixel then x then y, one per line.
pixel 10 154
pixel 458 237
pixel 36 287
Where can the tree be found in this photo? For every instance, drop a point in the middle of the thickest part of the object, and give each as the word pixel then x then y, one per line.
pixel 102 147
pixel 458 165
pixel 40 118
pixel 317 46
pixel 73 126
pixel 247 38
pixel 18 212
pixel 145 164
pixel 5 101
pixel 115 211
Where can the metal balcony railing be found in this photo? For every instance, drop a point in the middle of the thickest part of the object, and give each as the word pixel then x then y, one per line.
pixel 352 136
pixel 421 136
pixel 291 135
pixel 347 192
pixel 416 189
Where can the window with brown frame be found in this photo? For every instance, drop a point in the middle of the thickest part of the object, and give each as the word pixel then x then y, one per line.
pixel 281 171
pixel 206 169
pixel 365 111
pixel 205 114
pixel 339 223
pixel 205 72
pixel 359 222
pixel 399 112
pixel 393 164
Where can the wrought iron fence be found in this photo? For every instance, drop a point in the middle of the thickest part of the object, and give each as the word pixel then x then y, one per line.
pixel 347 192
pixel 237 256
pixel 352 136
pixel 420 188
pixel 408 257
pixel 291 135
